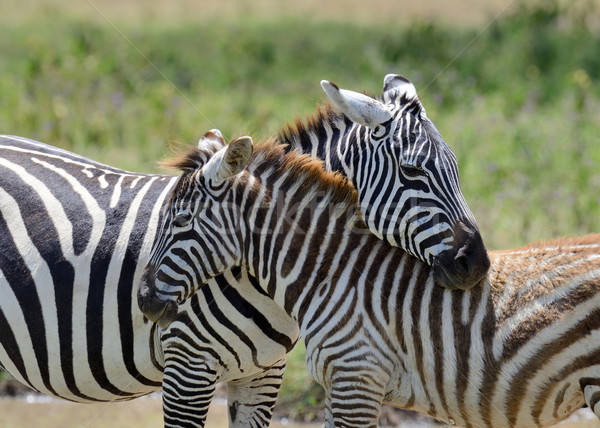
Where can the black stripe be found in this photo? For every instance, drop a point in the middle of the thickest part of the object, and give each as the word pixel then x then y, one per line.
pixel 19 278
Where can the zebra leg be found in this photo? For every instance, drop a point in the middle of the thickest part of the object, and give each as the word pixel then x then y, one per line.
pixel 251 400
pixel 352 403
pixel 591 393
pixel 187 391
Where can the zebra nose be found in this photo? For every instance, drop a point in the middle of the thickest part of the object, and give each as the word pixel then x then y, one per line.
pixel 472 259
pixel 160 311
pixel 156 309
pixel 465 265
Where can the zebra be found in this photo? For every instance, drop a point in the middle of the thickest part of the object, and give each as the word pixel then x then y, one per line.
pixel 76 234
pixel 521 350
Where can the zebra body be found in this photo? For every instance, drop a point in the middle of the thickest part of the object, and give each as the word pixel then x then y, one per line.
pixel 521 350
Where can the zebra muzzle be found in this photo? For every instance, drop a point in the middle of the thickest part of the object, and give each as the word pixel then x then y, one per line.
pixel 464 266
pixel 160 311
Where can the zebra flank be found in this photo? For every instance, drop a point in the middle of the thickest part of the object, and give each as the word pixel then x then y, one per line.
pixel 74 235
pixel 519 350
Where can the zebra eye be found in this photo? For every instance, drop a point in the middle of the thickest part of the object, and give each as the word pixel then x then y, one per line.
pixel 413 171
pixel 378 131
pixel 182 219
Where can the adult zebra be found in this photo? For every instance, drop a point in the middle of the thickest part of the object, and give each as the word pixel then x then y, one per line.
pixel 523 350
pixel 76 233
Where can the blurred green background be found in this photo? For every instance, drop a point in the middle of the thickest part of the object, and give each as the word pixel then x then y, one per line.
pixel 513 88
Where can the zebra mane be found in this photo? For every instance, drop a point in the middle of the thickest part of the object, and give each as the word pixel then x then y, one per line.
pixel 188 159
pixel 304 172
pixel 302 128
pixel 299 169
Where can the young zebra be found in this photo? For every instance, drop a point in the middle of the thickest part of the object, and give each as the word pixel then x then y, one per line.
pixel 522 350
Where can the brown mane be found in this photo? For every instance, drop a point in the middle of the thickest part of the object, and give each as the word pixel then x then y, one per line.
pixel 183 162
pixel 188 159
pixel 271 154
pixel 302 167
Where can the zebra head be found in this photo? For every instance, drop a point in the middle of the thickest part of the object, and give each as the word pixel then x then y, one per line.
pixel 183 258
pixel 407 182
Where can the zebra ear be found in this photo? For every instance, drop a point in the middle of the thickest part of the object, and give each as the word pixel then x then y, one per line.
pixel 212 137
pixel 235 159
pixel 395 82
pixel 396 86
pixel 359 108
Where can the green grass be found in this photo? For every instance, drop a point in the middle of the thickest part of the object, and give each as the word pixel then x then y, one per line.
pixel 519 103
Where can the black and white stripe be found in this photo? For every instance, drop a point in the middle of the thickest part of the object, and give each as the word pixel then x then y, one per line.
pixel 521 350
pixel 76 234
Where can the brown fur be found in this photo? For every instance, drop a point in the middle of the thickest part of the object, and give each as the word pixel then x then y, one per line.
pixel 559 243
pixel 306 168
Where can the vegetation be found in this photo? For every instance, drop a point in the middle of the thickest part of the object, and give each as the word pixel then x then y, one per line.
pixel 519 103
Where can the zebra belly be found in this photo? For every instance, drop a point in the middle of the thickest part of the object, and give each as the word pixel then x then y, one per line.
pixel 73 366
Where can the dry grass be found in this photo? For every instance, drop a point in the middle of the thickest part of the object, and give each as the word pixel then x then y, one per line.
pixel 146 412
pixel 466 12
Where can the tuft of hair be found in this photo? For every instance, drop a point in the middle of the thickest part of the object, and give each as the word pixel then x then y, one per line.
pixel 298 131
pixel 189 159
pixel 302 168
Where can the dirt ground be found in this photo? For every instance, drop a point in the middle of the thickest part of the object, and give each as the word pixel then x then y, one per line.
pixel 146 412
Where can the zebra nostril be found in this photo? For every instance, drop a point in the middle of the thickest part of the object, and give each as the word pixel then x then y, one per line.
pixel 462 263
